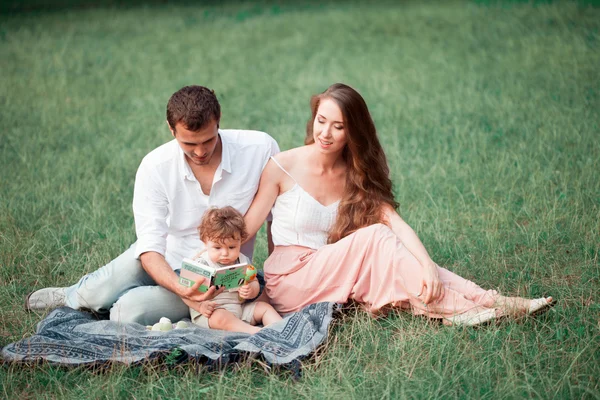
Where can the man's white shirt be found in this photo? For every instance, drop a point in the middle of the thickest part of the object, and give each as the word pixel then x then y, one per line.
pixel 168 201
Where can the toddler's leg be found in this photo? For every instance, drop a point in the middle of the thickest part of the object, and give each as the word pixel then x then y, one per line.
pixel 226 321
pixel 265 314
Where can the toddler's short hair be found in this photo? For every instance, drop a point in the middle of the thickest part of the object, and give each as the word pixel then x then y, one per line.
pixel 223 223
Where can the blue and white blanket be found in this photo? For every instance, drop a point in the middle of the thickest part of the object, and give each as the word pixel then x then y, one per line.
pixel 70 337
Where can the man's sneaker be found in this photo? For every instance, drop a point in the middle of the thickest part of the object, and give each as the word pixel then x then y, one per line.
pixel 45 299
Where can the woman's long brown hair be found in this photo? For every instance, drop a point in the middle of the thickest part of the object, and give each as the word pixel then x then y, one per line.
pixel 368 185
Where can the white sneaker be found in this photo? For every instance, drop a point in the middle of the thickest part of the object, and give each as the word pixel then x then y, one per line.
pixel 46 299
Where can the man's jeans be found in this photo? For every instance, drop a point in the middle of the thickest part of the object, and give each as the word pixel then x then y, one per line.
pixel 124 289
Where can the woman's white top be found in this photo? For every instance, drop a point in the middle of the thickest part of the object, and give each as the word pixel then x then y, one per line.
pixel 299 219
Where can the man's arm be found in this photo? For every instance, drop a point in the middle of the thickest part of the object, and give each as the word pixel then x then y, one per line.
pixel 150 210
pixel 157 267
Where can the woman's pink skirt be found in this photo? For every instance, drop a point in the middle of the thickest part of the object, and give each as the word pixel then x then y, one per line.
pixel 370 266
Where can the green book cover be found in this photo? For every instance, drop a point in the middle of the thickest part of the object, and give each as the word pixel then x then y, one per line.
pixel 230 276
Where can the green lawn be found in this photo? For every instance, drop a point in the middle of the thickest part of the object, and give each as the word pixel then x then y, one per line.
pixel 489 114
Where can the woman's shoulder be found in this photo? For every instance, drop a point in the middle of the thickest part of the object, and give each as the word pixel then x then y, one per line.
pixel 287 159
pixel 285 164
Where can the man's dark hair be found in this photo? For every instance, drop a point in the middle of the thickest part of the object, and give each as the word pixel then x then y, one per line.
pixel 194 107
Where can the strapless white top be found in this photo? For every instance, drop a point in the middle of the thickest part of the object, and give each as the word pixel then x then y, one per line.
pixel 299 219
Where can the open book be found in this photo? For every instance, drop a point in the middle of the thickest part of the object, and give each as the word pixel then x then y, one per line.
pixel 230 276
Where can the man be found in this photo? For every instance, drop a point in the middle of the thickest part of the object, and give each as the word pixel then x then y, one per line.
pixel 203 166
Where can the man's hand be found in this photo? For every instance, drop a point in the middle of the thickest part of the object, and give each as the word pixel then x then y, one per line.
pixel 194 299
pixel 192 293
pixel 432 288
pixel 157 267
pixel 249 291
pixel 207 308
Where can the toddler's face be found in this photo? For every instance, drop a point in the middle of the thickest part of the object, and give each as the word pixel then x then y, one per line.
pixel 224 251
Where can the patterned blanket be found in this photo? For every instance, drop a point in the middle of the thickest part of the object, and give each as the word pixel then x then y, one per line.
pixel 70 337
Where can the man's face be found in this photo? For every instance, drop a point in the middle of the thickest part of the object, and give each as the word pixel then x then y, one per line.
pixel 199 147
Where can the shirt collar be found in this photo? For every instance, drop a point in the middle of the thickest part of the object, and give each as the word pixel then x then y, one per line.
pixel 185 169
pixel 225 153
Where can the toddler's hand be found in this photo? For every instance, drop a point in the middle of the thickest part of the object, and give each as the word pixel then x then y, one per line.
pixel 207 308
pixel 249 290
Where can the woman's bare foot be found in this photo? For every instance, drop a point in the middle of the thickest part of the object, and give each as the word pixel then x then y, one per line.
pixel 473 318
pixel 520 306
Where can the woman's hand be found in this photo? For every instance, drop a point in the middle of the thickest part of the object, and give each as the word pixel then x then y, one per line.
pixel 249 291
pixel 432 288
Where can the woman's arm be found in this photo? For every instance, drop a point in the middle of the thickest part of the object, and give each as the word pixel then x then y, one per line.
pixel 268 190
pixel 432 288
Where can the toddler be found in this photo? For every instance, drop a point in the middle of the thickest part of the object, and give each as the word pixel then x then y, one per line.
pixel 223 230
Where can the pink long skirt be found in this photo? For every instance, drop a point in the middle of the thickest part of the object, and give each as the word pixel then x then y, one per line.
pixel 370 266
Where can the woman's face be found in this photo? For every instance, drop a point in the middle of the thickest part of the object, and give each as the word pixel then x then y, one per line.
pixel 328 128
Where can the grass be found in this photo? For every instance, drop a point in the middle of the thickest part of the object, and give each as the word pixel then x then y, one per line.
pixel 489 114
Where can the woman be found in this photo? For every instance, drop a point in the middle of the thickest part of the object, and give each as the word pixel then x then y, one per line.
pixel 338 236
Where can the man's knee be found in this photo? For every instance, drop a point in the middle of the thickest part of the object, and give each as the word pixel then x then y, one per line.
pixel 147 304
pixel 99 289
pixel 130 268
pixel 130 312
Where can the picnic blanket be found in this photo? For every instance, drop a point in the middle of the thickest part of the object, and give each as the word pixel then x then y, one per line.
pixel 71 337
